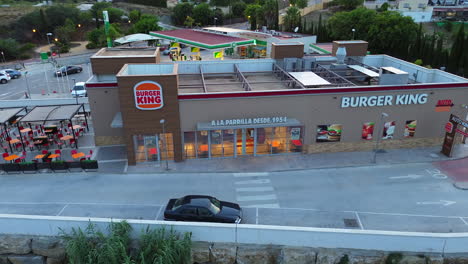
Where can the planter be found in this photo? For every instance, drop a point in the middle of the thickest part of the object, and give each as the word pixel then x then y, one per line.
pixel 89 164
pixel 43 166
pixel 73 165
pixel 58 165
pixel 28 166
pixel 11 167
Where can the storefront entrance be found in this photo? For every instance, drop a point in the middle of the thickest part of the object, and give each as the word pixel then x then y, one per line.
pixel 242 142
pixel 151 148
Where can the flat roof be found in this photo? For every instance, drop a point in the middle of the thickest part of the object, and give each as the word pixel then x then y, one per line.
pixel 7 113
pixel 309 78
pixel 202 39
pixel 394 70
pixel 364 71
pixel 51 113
pixel 226 29
pixel 126 52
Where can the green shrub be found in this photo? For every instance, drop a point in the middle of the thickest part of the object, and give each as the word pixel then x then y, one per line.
pixel 114 247
pixel 393 258
pixel 344 259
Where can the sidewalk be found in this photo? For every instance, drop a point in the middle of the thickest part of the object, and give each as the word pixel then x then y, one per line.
pixel 302 162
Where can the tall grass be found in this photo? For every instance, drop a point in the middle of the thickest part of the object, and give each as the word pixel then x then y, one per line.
pixel 155 246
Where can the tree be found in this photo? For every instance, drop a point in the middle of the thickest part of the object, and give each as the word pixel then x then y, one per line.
pixel 348 4
pixel 64 33
pixel 98 36
pixel 146 24
pixel 181 12
pixel 96 11
pixel 384 7
pixel 189 22
pixel 203 14
pixel 251 13
pixel 270 13
pixel 456 53
pixel 292 19
pixel 238 9
pixel 219 2
pixel 134 16
pixel 115 14
pixel 342 24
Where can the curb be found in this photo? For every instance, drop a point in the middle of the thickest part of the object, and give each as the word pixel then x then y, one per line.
pixel 461 185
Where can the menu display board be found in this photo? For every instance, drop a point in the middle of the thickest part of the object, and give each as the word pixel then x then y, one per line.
pixel 329 133
pixel 389 130
pixel 368 130
pixel 410 128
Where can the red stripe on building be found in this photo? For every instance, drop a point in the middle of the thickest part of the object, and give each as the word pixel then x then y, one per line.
pixel 99 85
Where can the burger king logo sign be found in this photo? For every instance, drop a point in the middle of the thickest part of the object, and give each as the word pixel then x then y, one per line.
pixel 148 95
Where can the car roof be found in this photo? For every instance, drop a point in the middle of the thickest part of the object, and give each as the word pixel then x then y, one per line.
pixel 80 83
pixel 197 200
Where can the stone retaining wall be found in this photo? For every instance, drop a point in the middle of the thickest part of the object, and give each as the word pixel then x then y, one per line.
pixel 19 249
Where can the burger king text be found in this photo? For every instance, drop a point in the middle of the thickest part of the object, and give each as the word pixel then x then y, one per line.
pixel 148 95
pixel 383 100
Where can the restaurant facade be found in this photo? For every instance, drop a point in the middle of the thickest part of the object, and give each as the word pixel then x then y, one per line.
pixel 277 106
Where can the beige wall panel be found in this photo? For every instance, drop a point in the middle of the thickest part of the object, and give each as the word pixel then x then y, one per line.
pixel 104 104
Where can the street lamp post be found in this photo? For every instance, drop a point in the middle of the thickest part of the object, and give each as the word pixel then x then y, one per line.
pixel 76 95
pixel 163 123
pixel 27 84
pixel 379 135
pixel 48 34
pixel 3 55
pixel 354 30
pixel 215 21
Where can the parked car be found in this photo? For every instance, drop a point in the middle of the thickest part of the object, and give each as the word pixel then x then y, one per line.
pixel 14 74
pixel 66 70
pixel 79 90
pixel 202 208
pixel 4 78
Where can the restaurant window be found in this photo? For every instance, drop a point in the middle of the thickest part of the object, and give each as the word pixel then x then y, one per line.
pixel 202 144
pixel 264 139
pixel 410 128
pixel 329 133
pixel 388 130
pixel 190 145
pixel 166 146
pixel 216 143
pixel 295 139
pixel 280 142
pixel 228 142
pixel 368 130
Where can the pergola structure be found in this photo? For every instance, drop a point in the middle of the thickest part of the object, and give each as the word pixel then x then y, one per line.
pixel 54 113
pixel 6 117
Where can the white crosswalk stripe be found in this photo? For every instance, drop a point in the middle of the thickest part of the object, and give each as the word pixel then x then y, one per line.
pixel 255 192
pixel 251 174
pixel 256 198
pixel 262 181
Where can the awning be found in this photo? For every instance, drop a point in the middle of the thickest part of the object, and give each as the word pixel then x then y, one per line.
pixel 51 113
pixel 7 113
pixel 117 121
pixel 209 126
pixel 134 38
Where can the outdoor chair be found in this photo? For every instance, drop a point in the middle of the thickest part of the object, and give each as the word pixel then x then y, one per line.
pixel 4 155
pixel 44 152
pixel 73 151
pixel 90 154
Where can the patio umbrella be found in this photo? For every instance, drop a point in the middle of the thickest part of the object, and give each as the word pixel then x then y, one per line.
pixel 135 37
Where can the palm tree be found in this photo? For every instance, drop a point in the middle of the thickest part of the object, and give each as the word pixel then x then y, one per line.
pixel 292 18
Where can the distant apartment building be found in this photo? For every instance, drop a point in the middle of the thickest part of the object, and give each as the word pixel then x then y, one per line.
pixel 419 10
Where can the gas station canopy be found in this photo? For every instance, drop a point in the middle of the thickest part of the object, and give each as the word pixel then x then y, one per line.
pixel 201 39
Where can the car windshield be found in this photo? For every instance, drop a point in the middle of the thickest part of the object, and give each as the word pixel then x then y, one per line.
pixel 178 203
pixel 215 206
pixel 78 88
pixel 62 69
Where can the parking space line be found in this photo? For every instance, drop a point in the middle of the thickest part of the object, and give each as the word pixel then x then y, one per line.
pixel 256 198
pixel 359 220
pixel 251 174
pixel 61 211
pixel 255 189
pixel 463 220
pixel 263 181
pixel 159 212
pixel 256 216
pixel 270 206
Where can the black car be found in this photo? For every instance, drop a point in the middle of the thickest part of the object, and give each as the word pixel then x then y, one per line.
pixel 66 70
pixel 202 208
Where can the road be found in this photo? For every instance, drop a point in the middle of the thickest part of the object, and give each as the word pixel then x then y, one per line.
pixel 40 79
pixel 412 197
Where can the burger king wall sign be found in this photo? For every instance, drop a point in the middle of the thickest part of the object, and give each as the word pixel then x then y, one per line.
pixel 148 95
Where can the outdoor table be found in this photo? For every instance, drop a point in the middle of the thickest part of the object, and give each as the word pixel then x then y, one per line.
pixel 11 157
pixel 40 156
pixel 204 147
pixel 13 141
pixel 76 127
pixel 66 138
pixel 78 155
pixel 40 140
pixel 53 156
pixel 24 130
pixel 296 142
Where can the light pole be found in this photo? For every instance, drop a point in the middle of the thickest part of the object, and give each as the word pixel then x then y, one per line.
pixel 465 106
pixel 3 55
pixel 48 34
pixel 76 95
pixel 215 21
pixel 27 84
pixel 354 30
pixel 379 135
pixel 163 123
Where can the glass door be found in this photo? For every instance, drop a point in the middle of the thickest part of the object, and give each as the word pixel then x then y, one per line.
pixel 146 149
pixel 245 141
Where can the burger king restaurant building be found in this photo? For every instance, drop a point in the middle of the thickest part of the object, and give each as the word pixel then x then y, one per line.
pixel 232 108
